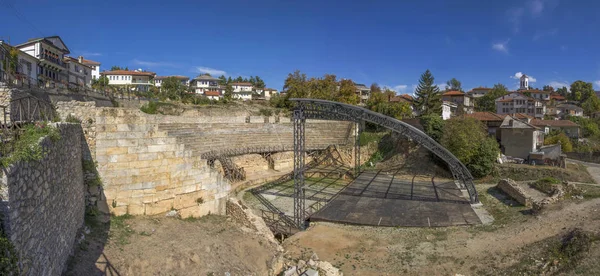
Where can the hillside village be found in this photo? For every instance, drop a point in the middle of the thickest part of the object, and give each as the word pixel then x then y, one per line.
pixel 534 112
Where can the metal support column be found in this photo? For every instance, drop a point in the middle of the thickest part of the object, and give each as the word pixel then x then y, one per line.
pixel 299 139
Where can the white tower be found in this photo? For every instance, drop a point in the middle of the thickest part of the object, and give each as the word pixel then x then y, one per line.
pixel 524 82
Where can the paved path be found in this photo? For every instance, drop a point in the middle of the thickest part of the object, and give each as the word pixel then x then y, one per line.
pixel 592 168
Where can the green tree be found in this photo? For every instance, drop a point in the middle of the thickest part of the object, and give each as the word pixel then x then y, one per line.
pixel 259 83
pixel 468 140
pixel 488 101
pixel 173 88
pixel 375 88
pixel 433 125
pixel 296 85
pixel 377 98
pixel 222 80
pixel 563 91
pixel 581 91
pixel 453 85
pixel 589 128
pixel 115 68
pixel 548 88
pixel 100 82
pixel 428 97
pixel 591 104
pixel 229 80
pixel 347 92
pixel 561 138
pixel 228 94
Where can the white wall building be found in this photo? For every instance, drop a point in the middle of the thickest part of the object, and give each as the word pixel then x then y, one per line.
pixel 448 108
pixel 516 102
pixel 183 79
pixel 92 64
pixel 479 92
pixel 203 83
pixel 27 66
pixel 137 80
pixel 242 90
pixel 50 51
pixel 79 73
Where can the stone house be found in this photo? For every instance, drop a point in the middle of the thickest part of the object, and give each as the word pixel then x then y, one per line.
pixel 461 99
pixel 479 92
pixel 517 102
pixel 563 110
pixel 519 138
pixel 570 128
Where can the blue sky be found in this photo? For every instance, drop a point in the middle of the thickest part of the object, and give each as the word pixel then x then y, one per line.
pixel 389 42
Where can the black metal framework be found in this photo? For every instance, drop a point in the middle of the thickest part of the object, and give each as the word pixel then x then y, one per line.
pixel 328 110
pixel 299 141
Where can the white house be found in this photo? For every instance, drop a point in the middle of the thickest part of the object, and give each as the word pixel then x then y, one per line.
pixel 50 51
pixel 479 92
pixel 92 64
pixel 213 95
pixel 242 90
pixel 363 92
pixel 448 108
pixel 158 80
pixel 516 102
pixel 79 73
pixel 27 66
pixel 203 83
pixel 137 80
pixel 269 92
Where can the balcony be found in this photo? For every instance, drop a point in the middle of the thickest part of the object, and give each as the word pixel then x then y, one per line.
pixel 52 59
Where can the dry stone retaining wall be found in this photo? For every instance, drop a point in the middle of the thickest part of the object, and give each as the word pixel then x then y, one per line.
pixel 44 204
pixel 513 190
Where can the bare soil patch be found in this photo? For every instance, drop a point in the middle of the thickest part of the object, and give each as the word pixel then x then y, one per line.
pixel 212 245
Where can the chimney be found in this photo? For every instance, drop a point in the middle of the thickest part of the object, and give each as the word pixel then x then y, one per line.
pixel 80 59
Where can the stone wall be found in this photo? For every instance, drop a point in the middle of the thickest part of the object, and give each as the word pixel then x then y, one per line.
pixel 593 157
pixel 511 188
pixel 282 161
pixel 43 204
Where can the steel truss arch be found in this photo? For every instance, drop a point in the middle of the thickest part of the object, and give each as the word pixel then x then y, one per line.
pixel 329 110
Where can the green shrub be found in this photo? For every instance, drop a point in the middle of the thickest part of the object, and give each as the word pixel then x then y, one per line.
pixel 561 137
pixel 27 147
pixel 545 184
pixel 72 119
pixel 433 126
pixel 369 137
pixel 8 257
pixel 468 140
pixel 265 112
pixel 150 108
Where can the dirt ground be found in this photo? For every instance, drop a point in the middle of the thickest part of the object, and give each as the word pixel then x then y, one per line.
pixel 212 245
pixel 518 242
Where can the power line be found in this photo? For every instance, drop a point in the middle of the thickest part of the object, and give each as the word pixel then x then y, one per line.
pixel 22 18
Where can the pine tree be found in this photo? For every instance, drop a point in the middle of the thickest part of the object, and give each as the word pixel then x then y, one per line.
pixel 428 99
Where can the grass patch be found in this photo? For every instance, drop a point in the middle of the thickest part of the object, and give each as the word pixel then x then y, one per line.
pixel 590 192
pixel 524 172
pixel 504 210
pixel 545 184
pixel 120 230
pixel 370 137
pixel 150 108
pixel 72 119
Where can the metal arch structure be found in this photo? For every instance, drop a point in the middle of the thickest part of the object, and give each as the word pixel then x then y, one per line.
pixel 329 110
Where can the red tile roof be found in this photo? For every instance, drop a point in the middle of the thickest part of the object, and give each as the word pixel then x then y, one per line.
pixel 212 93
pixel 485 116
pixel 554 123
pixel 177 77
pixel 557 97
pixel 522 116
pixel 90 62
pixel 454 93
pixel 533 91
pixel 129 73
pixel 242 83
pixel 402 98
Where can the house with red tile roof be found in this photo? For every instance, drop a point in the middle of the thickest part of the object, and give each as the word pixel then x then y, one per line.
pixel 570 128
pixel 92 64
pixel 517 102
pixel 479 92
pixel 461 99
pixel 137 80
pixel 158 80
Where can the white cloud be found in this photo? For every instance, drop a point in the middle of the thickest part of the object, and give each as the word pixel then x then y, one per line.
pixel 90 54
pixel 211 71
pixel 153 64
pixel 537 7
pixel 541 34
pixel 597 83
pixel 501 46
pixel 401 88
pixel 514 17
pixel 518 75
pixel 560 84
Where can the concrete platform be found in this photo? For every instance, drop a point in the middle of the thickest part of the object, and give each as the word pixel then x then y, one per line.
pixel 380 199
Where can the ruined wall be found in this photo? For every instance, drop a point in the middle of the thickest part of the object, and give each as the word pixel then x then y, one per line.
pixel 43 204
pixel 150 164
pixel 509 187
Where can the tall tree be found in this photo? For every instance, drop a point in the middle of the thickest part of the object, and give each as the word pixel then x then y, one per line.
pixel 428 97
pixel 488 101
pixel 347 92
pixel 228 94
pixel 259 83
pixel 548 88
pixel 581 91
pixel 222 80
pixel 173 88
pixel 563 91
pixel 295 85
pixel 115 68
pixel 376 99
pixel 375 88
pixel 591 105
pixel 229 80
pixel 453 85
